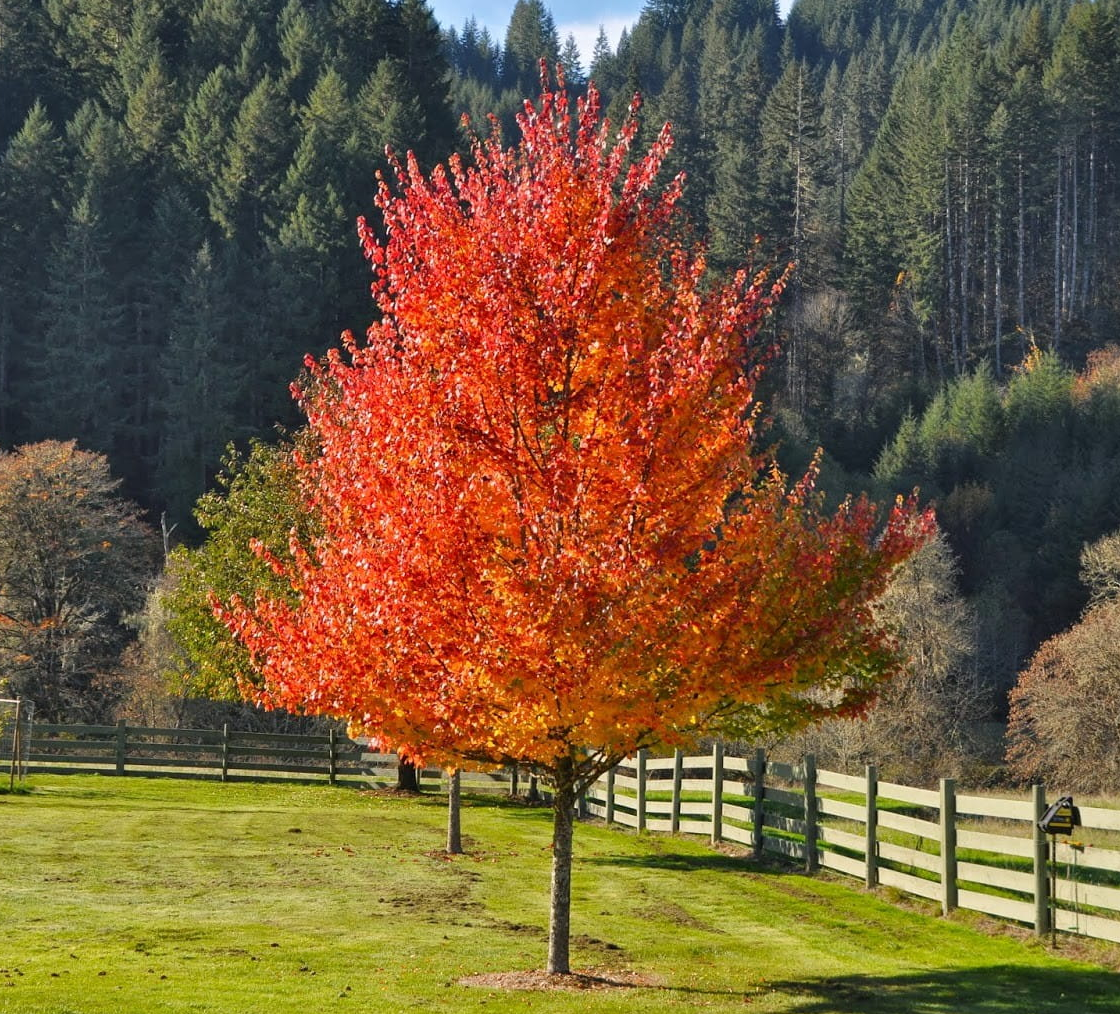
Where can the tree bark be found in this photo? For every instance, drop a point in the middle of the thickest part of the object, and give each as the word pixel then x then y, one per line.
pixel 1058 257
pixel 563 821
pixel 1020 266
pixel 406 777
pixel 454 831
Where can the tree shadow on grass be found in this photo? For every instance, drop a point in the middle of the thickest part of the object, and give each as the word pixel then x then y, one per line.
pixel 997 989
pixel 673 861
pixel 682 861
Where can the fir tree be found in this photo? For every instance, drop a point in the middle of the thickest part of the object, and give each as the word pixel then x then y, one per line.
pixel 208 118
pixel 256 157
pixel 200 385
pixel 72 389
pixel 530 37
pixel 31 172
pixel 301 45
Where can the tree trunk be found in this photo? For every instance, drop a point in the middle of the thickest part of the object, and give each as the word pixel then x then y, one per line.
pixel 454 833
pixel 964 175
pixel 407 780
pixel 1020 266
pixel 559 923
pixel 997 300
pixel 1070 287
pixel 1091 237
pixel 951 273
pixel 1058 257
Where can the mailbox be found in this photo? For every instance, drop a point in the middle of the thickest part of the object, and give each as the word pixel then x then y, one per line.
pixel 1061 818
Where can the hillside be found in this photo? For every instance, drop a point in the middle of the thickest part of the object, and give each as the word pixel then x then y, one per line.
pixel 179 181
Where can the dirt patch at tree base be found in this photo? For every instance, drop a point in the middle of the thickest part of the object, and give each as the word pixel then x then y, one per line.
pixel 572 982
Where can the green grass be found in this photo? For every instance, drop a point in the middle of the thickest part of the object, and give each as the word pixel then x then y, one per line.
pixel 137 895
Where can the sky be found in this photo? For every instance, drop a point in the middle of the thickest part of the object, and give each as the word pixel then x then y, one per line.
pixel 581 18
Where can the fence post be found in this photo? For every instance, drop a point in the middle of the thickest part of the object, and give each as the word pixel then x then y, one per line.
pixel 717 793
pixel 454 819
pixel 948 845
pixel 810 813
pixel 17 752
pixel 610 795
pixel 1041 881
pixel 678 775
pixel 758 813
pixel 641 790
pixel 871 843
pixel 332 758
pixel 225 751
pixel 122 745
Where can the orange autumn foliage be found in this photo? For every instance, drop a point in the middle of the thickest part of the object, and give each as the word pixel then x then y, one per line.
pixel 549 534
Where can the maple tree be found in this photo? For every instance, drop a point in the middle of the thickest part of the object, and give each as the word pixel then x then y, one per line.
pixel 549 535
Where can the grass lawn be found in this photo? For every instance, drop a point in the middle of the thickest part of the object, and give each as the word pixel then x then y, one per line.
pixel 136 895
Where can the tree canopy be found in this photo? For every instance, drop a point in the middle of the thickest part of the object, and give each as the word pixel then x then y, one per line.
pixel 549 534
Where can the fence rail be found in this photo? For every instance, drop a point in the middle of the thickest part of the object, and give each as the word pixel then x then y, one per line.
pixel 225 754
pixel 982 853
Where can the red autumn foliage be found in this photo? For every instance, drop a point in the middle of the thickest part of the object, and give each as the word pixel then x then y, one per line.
pixel 549 534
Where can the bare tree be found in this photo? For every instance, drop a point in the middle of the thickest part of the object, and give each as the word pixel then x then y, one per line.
pixel 74 561
pixel 1064 724
pixel 1100 568
pixel 924 724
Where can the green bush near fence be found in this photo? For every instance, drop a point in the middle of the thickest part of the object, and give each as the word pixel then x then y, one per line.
pixel 160 895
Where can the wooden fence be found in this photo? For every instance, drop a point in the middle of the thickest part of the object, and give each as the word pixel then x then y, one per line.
pixel 963 851
pixel 959 850
pixel 226 754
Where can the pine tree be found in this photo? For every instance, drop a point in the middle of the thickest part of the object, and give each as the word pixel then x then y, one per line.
pixel 364 32
pixel 252 60
pixel 87 37
pixel 175 226
pixel 386 115
pixel 256 157
pixel 151 117
pixel 135 55
pixel 733 87
pixel 217 31
pixel 327 110
pixel 791 166
pixel 72 390
pixel 25 70
pixel 1084 81
pixel 571 61
pixel 31 173
pixel 474 54
pixel 200 385
pixel 969 87
pixel 602 60
pixel 302 46
pixel 106 177
pixel 426 73
pixel 530 37
pixel 208 119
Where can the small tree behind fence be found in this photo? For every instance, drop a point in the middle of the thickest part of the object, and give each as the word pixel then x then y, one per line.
pixel 15 738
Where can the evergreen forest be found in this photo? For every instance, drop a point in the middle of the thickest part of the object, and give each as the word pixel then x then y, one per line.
pixel 179 183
